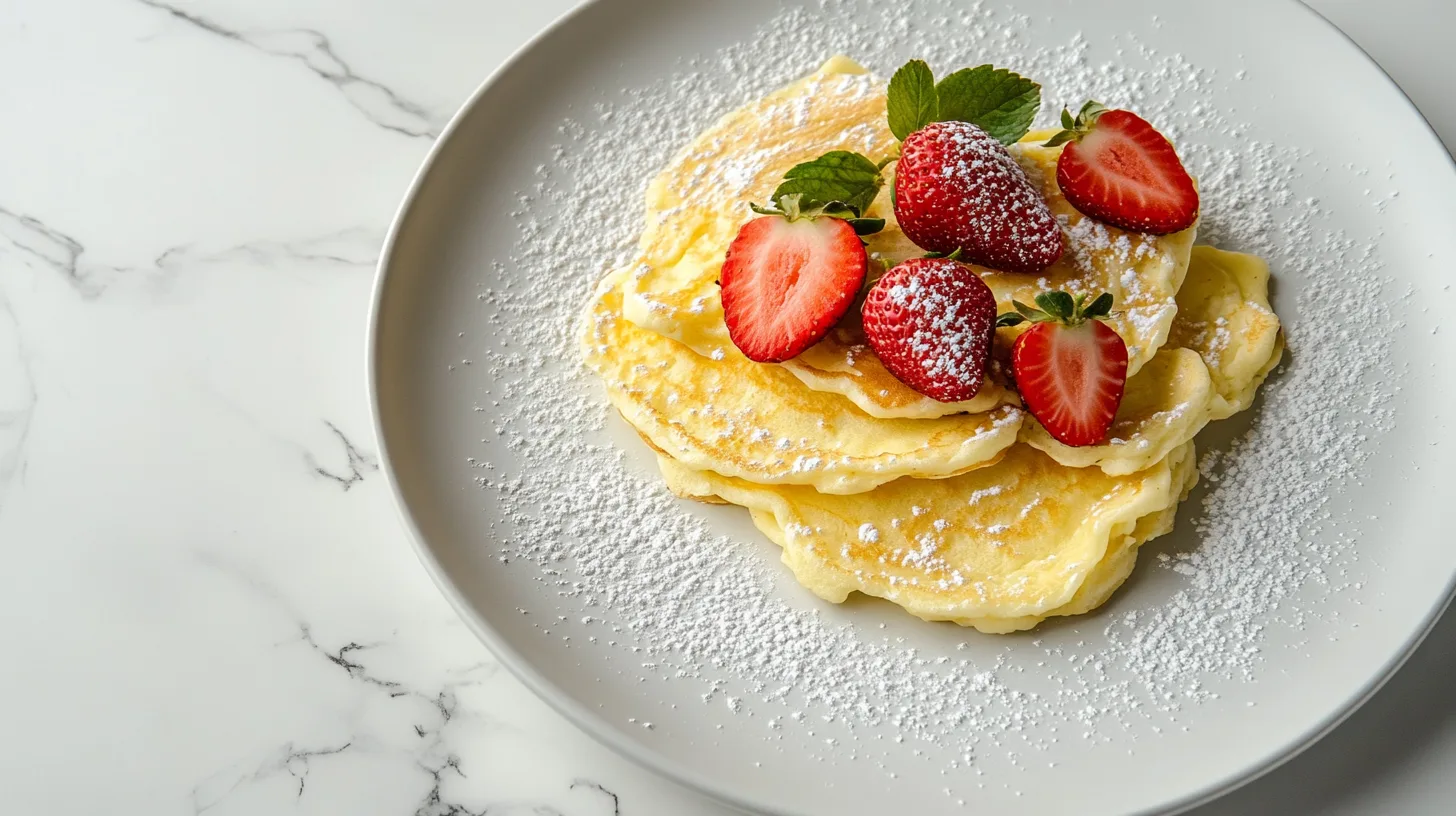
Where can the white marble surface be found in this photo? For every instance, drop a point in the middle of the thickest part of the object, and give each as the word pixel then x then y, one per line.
pixel 209 602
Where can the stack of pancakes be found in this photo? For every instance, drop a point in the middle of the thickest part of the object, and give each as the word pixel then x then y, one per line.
pixel 970 511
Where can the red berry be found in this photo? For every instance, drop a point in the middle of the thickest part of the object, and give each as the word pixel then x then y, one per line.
pixel 785 283
pixel 956 187
pixel 1071 378
pixel 1119 170
pixel 930 321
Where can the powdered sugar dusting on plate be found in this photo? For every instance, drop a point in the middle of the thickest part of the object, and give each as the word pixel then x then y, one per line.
pixel 664 593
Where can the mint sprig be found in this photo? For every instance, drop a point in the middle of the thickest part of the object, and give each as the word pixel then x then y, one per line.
pixel 837 176
pixel 912 101
pixel 839 184
pixel 1000 102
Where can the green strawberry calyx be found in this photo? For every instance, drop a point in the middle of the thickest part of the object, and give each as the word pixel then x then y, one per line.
pixel 1075 127
pixel 1058 307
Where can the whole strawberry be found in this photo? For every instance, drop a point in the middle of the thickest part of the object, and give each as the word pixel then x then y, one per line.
pixel 1070 367
pixel 957 188
pixel 931 321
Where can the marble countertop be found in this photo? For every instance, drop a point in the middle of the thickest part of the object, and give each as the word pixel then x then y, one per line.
pixel 211 605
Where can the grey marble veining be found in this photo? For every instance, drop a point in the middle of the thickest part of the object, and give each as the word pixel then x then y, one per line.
pixel 312 49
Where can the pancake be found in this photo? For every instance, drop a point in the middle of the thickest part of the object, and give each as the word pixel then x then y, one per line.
pixel 999 548
pixel 868 486
pixel 1143 272
pixel 1224 315
pixel 844 364
pixel 1222 345
pixel 697 203
pixel 758 423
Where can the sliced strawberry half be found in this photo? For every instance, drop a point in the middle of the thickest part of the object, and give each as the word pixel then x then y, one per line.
pixel 1070 367
pixel 786 281
pixel 1120 170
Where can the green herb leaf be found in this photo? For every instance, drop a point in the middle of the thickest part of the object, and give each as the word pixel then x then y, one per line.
pixel 1000 102
pixel 1091 109
pixel 912 102
pixel 835 177
pixel 1061 138
pixel 1101 307
pixel 866 226
pixel 1027 312
pixel 790 204
pixel 1076 128
pixel 1056 304
pixel 1009 319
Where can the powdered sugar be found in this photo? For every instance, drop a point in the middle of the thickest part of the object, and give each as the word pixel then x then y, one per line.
pixel 662 589
pixel 959 188
pixel 930 321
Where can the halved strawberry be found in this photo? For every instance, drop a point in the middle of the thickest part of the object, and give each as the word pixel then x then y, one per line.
pixel 1070 367
pixel 787 280
pixel 930 321
pixel 1118 169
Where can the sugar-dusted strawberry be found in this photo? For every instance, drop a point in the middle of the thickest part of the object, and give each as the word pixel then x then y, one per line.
pixel 956 188
pixel 930 321
pixel 956 185
pixel 791 274
pixel 1070 367
pixel 1119 170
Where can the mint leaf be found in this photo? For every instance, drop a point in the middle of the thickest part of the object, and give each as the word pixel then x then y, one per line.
pixel 1000 102
pixel 838 176
pixel 912 102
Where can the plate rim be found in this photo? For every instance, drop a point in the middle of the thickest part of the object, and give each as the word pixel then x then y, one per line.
pixel 594 724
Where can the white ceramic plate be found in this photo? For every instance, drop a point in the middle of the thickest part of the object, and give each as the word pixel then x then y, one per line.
pixel 1294 601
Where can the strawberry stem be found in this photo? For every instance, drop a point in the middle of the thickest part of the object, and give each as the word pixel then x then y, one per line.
pixel 1058 307
pixel 1073 129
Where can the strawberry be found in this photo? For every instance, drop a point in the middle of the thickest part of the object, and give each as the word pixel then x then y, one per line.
pixel 787 281
pixel 930 321
pixel 1119 170
pixel 791 275
pixel 956 188
pixel 1070 367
